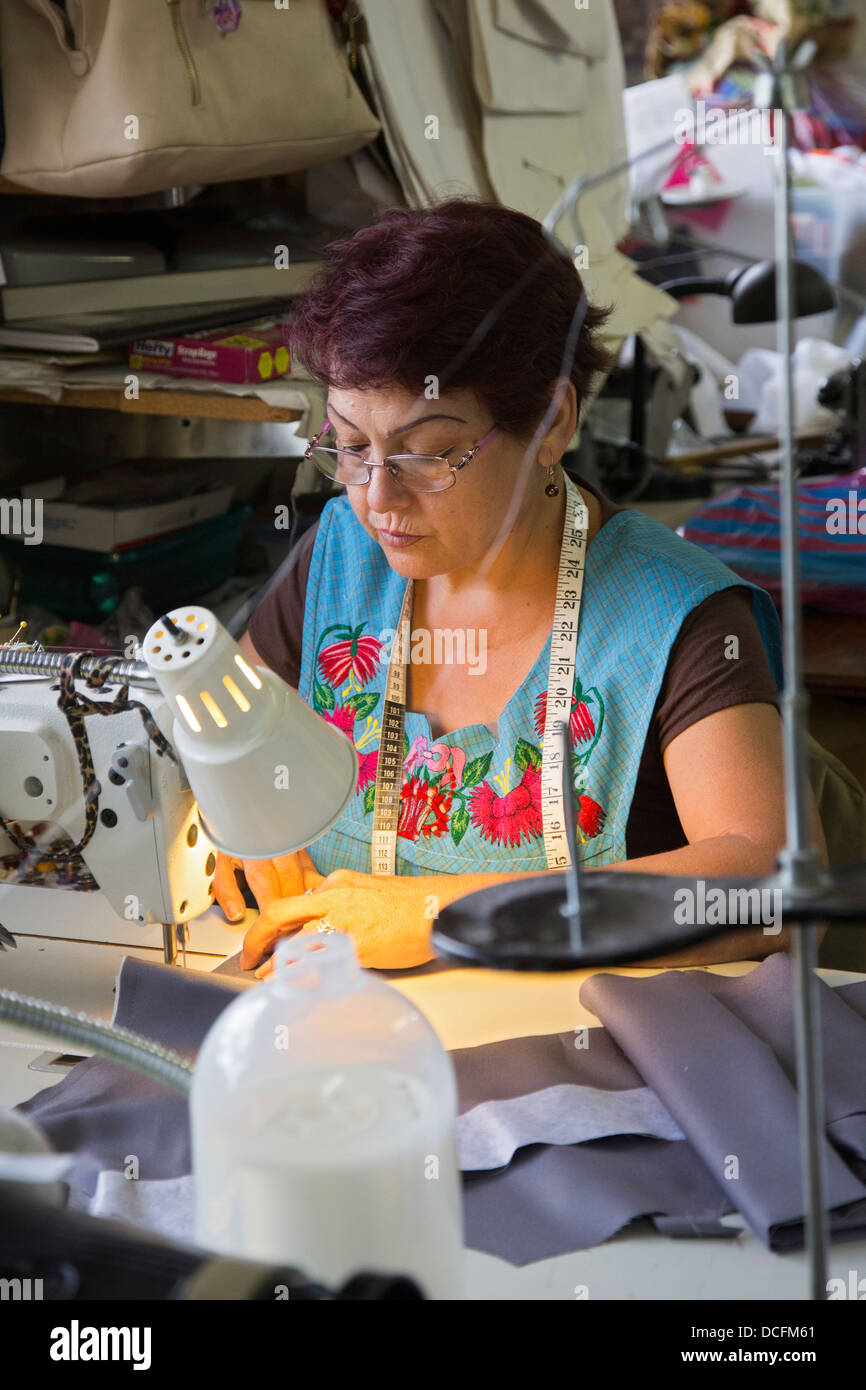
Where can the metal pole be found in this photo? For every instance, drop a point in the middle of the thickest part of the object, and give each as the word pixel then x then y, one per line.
pixel 799 864
pixel 810 1099
pixel 572 906
pixel 799 853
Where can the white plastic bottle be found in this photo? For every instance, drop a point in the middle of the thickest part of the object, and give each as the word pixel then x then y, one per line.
pixel 324 1126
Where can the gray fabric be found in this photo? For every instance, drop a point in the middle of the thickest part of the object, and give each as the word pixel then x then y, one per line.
pixel 499 1071
pixel 711 1057
pixel 557 1198
pixel 712 1090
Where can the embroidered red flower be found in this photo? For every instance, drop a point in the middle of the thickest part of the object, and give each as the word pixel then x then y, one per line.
pixel 343 716
pixel 367 766
pixel 506 820
pixel 590 817
pixel 581 724
pixel 360 655
pixel 424 808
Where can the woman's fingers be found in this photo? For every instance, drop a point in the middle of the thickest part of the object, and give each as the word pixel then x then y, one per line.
pixel 225 887
pixel 265 878
pixel 306 863
pixel 278 920
pixel 283 877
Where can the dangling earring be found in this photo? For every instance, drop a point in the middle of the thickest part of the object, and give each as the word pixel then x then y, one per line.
pixel 552 488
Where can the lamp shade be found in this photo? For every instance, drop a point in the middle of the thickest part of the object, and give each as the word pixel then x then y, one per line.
pixel 753 292
pixel 269 774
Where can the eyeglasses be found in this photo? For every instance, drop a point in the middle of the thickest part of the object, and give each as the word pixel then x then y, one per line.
pixel 417 472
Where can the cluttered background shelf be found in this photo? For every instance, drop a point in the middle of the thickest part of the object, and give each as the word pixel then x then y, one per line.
pixel 191 405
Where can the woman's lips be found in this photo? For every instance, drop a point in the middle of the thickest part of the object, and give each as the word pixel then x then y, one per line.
pixel 398 539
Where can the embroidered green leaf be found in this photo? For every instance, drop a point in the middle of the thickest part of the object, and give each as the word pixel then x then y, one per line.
pixel 459 823
pixel 323 696
pixel 477 769
pixel 405 743
pixel 527 755
pixel 363 703
pixel 369 797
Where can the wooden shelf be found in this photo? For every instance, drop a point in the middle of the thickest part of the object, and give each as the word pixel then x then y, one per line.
pixel 195 404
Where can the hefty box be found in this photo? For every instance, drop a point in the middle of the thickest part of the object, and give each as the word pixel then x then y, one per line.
pixel 238 355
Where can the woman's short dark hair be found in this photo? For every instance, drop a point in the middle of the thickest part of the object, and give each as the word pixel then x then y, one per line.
pixel 470 293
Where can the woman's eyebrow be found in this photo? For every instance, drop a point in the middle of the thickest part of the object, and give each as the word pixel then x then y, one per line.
pixel 402 429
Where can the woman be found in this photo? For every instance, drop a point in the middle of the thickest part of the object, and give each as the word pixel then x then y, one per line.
pixel 454 390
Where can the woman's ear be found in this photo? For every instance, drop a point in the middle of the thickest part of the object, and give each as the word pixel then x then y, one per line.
pixel 564 423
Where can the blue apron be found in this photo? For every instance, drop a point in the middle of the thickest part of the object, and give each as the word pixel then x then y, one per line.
pixel 471 799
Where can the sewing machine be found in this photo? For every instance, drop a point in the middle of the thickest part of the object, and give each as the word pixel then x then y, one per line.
pixel 149 853
pixel 118 755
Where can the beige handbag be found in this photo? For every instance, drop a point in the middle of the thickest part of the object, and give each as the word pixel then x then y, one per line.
pixel 113 98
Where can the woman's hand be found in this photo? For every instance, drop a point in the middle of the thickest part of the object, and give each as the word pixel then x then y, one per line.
pixel 269 879
pixel 390 919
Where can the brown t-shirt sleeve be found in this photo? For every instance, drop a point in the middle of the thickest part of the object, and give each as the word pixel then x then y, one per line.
pixel 276 627
pixel 717 660
pixel 699 680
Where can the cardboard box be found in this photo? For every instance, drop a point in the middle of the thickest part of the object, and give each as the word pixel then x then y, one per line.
pixel 236 355
pixel 113 528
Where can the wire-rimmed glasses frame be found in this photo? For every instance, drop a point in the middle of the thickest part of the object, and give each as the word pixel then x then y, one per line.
pixel 393 462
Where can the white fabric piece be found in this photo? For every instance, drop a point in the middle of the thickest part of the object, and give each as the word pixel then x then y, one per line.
pixel 650 115
pixel 489 1134
pixel 163 1205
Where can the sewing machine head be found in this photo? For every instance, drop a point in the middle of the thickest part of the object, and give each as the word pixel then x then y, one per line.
pixel 100 785
pixel 99 806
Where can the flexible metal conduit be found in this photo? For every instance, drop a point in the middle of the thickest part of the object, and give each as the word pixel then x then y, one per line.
pixel 118 1044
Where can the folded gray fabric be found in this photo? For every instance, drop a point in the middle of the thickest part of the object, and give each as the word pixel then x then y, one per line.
pixel 734 1094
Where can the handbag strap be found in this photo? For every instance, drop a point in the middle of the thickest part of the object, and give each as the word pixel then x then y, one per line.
pixel 76 57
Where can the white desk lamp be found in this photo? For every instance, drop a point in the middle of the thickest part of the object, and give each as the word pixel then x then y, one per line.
pixel 269 774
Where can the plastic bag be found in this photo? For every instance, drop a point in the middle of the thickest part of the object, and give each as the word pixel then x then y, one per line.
pixel 759 374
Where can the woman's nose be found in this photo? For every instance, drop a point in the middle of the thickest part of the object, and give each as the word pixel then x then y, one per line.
pixel 384 493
